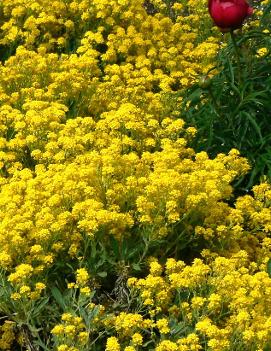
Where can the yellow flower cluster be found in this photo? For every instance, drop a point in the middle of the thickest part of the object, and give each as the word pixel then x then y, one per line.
pixel 76 333
pixel 82 280
pixel 88 125
pixel 246 226
pixel 112 344
pixel 189 343
pixel 226 302
pixel 126 325
pixel 7 335
pixel 47 211
pixel 72 331
pixel 23 286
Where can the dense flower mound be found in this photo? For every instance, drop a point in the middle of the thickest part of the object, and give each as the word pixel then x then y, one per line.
pixel 98 180
pixel 220 304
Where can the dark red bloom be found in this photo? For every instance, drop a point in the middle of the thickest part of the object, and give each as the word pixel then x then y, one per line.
pixel 229 14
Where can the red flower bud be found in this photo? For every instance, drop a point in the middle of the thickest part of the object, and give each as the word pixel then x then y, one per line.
pixel 229 14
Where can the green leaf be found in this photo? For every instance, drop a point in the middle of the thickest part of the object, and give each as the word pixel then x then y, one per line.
pixel 136 267
pixel 147 343
pixel 254 124
pixel 267 347
pixel 269 267
pixel 58 297
pixel 41 344
pixel 93 251
pixel 194 96
pixel 267 10
pixel 102 274
pixel 39 307
pixel 115 245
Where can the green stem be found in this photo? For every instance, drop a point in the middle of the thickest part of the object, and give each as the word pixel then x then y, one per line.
pixel 238 55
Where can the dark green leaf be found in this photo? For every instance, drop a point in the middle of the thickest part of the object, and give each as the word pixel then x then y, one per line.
pixel 269 267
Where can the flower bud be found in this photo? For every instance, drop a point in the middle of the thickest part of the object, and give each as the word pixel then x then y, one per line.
pixel 229 14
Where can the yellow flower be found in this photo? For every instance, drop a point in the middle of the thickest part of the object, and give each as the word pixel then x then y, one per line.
pixel 162 325
pixel 166 345
pixel 58 329
pixel 25 290
pixel 83 337
pixel 197 302
pixel 82 276
pixel 85 291
pixel 137 339
pixel 70 329
pixel 40 286
pixel 15 296
pixel 112 344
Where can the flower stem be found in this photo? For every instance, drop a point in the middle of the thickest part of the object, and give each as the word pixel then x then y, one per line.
pixel 237 54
